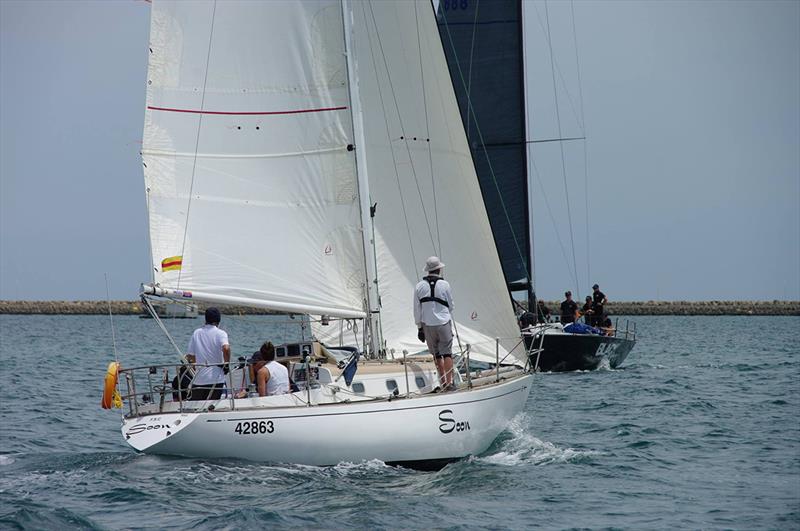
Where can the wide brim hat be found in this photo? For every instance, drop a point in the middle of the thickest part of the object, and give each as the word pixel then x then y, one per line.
pixel 432 264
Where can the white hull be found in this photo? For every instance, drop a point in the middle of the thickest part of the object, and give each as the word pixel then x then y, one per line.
pixel 431 428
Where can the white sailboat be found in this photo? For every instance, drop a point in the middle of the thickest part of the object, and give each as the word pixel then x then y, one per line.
pixel 306 157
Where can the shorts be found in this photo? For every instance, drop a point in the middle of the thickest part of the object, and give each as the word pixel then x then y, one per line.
pixel 439 339
pixel 206 391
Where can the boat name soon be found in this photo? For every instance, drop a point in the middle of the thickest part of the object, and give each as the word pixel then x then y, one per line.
pixel 139 428
pixel 449 424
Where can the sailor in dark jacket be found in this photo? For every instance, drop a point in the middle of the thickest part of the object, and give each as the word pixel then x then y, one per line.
pixel 569 309
pixel 598 302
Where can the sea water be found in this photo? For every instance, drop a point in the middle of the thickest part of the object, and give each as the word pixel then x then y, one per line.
pixel 698 429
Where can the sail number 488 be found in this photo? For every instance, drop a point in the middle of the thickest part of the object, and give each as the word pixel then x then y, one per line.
pixel 254 427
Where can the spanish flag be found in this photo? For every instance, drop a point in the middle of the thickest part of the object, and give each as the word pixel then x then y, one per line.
pixel 171 263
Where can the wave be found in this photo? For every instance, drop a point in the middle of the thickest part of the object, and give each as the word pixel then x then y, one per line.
pixel 520 447
pixel 33 516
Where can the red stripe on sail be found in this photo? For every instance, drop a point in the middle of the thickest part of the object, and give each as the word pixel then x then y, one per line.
pixel 194 111
pixel 168 264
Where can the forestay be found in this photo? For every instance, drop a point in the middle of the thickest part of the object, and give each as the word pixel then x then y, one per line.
pixel 251 189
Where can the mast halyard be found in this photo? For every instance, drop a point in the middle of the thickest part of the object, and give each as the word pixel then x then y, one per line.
pixel 367 228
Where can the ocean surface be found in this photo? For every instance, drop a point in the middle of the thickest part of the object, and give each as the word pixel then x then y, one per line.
pixel 699 429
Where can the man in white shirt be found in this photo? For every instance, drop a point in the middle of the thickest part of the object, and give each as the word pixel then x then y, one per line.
pixel 209 350
pixel 433 303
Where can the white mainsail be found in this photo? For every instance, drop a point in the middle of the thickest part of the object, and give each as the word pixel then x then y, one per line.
pixel 422 177
pixel 251 189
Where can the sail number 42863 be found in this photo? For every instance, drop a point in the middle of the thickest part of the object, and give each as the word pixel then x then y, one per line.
pixel 254 427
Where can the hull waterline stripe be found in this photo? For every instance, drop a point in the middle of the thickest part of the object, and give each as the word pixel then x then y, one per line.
pixel 253 113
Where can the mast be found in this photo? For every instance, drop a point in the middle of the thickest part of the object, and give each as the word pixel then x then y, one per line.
pixel 367 232
pixel 526 156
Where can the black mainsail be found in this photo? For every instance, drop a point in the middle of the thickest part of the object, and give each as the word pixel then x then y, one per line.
pixel 483 43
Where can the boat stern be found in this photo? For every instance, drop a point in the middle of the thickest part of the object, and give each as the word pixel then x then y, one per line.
pixel 142 433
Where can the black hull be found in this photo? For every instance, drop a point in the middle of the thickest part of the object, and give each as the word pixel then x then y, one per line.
pixel 576 352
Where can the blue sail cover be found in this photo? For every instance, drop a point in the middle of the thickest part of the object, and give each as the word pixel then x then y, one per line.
pixel 482 40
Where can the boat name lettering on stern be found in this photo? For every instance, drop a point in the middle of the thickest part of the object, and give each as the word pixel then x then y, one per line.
pixel 254 427
pixel 139 428
pixel 449 423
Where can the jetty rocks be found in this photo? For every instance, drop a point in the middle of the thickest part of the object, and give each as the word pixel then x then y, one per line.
pixel 613 308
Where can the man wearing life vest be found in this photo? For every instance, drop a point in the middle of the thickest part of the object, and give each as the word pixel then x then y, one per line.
pixel 433 303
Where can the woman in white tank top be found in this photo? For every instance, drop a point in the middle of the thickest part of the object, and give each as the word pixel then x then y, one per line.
pixel 272 377
pixel 277 381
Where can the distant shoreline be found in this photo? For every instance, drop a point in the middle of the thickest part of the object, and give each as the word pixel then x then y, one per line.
pixel 613 308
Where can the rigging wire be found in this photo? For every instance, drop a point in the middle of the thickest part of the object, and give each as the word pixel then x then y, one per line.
pixel 197 138
pixel 153 269
pixel 552 219
pixel 528 160
pixel 561 149
pixel 388 134
pixel 564 86
pixel 111 318
pixel 471 55
pixel 148 305
pixel 438 247
pixel 402 127
pixel 585 147
pixel 471 111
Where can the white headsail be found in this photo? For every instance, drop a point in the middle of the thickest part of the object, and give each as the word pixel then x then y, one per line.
pixel 251 189
pixel 423 180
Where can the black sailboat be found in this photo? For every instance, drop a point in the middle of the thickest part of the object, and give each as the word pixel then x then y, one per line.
pixel 484 45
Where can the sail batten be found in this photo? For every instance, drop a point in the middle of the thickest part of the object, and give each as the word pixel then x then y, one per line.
pixel 246 113
pixel 160 153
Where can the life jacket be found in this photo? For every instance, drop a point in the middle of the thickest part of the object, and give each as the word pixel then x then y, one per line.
pixel 432 280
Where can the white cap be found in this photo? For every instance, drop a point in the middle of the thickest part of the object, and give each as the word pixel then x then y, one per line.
pixel 432 264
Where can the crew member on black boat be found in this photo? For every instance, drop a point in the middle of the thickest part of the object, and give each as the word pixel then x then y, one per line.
pixel 433 303
pixel 607 327
pixel 210 351
pixel 526 320
pixel 598 302
pixel 569 309
pixel 542 312
pixel 586 310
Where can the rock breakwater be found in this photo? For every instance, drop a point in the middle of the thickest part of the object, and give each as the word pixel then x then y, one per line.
pixel 613 308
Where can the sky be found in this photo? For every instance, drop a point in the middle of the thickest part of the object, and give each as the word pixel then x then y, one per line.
pixel 691 173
